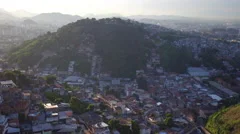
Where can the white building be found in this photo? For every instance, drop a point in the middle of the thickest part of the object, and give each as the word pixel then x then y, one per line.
pixel 7 84
pixel 74 80
pixel 101 128
pixel 215 97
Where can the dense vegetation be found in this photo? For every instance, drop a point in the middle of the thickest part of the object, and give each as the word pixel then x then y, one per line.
pixel 120 43
pixel 124 128
pixel 56 98
pixel 229 101
pixel 50 79
pixel 171 36
pixel 235 62
pixel 176 59
pixel 76 105
pixel 17 77
pixel 225 121
pixel 79 106
pixel 209 58
pixel 142 83
pixel 62 59
pixel 167 122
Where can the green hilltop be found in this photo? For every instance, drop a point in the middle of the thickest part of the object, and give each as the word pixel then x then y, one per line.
pixel 120 43
pixel 225 121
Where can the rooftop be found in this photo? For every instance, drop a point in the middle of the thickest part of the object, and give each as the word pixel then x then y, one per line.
pixel 50 106
pixel 100 125
pixel 215 97
pixel 7 82
pixel 223 89
pixel 13 130
pixel 42 127
pixel 197 71
pixel 91 118
pixel 73 79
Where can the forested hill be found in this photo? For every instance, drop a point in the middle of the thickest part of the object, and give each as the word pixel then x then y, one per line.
pixel 225 121
pixel 120 43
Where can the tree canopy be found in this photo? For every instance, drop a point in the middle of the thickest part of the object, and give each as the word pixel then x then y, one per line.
pixel 225 121
pixel 17 77
pixel 175 59
pixel 124 129
pixel 76 105
pixel 79 106
pixel 50 79
pixel 209 58
pixel 120 43
pixel 142 83
pixel 56 98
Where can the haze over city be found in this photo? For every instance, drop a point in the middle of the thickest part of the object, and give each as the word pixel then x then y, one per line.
pixel 213 9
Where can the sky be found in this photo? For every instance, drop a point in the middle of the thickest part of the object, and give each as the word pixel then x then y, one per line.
pixel 188 8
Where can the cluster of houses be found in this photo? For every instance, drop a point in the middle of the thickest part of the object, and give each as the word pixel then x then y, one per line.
pixel 29 112
pixel 24 111
pixel 186 97
pixel 189 99
pixel 227 50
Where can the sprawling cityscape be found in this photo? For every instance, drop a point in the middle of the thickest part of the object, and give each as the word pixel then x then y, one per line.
pixel 66 74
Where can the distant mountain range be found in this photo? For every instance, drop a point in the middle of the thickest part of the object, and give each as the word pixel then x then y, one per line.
pixel 100 16
pixel 63 19
pixel 22 14
pixel 56 18
pixel 6 16
pixel 160 17
pixel 59 19
pixel 29 22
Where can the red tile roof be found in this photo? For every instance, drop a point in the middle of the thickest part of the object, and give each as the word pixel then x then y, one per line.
pixel 6 108
pixel 21 105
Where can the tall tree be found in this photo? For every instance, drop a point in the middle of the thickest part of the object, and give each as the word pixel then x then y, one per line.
pixel 50 79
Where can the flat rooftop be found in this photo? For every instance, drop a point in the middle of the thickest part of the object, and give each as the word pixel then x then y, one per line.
pixel 223 89
pixel 50 106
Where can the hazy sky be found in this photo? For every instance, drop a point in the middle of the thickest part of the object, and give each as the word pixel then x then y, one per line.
pixel 196 8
